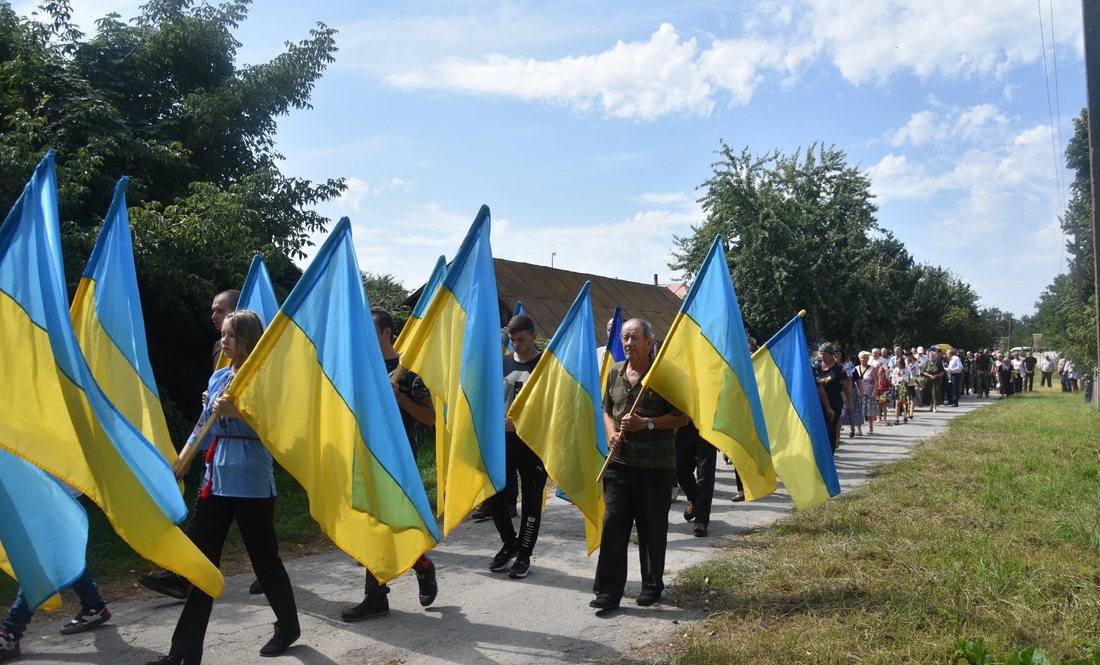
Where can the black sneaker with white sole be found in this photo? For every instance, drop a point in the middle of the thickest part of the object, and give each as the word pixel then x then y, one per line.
pixel 520 568
pixel 503 557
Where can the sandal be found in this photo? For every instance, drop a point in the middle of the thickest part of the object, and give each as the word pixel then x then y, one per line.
pixel 700 529
pixel 689 512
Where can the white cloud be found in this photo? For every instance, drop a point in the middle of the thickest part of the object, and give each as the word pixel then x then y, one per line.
pixel 921 128
pixel 664 198
pixel 867 41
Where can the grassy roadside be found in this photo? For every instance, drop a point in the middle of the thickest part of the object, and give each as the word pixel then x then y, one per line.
pixel 115 566
pixel 990 530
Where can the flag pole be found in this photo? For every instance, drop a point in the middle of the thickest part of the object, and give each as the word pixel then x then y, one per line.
pixel 607 461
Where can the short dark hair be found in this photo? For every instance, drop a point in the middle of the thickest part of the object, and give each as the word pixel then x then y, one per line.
pixel 382 320
pixel 233 294
pixel 521 323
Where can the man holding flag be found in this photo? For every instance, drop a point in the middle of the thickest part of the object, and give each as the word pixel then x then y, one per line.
pixel 640 424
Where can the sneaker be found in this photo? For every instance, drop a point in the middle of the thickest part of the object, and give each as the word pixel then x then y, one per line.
pixel 88 618
pixel 481 513
pixel 9 644
pixel 500 561
pixel 167 583
pixel 428 586
pixel 520 568
pixel 372 606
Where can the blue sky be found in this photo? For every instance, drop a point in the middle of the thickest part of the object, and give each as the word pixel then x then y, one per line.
pixel 587 126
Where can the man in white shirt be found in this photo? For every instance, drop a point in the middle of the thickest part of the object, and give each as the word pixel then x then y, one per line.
pixel 955 370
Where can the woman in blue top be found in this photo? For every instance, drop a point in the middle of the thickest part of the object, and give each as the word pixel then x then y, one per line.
pixel 238 484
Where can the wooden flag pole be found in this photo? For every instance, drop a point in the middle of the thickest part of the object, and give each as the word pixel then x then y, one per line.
pixel 607 461
pixel 187 455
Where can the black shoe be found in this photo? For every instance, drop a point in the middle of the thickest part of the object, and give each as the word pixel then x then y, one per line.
pixel 481 513
pixel 9 644
pixel 167 583
pixel 603 603
pixel 428 586
pixel 175 660
pixel 372 606
pixel 520 568
pixel 740 496
pixel 645 599
pixel 689 512
pixel 700 529
pixel 279 643
pixel 500 561
pixel 255 588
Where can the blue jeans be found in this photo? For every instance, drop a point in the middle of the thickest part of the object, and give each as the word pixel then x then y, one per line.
pixel 955 379
pixel 20 613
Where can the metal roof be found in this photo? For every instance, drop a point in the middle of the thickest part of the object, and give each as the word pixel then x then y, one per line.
pixel 547 294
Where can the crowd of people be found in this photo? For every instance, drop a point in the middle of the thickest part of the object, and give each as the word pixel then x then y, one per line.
pixel 652 446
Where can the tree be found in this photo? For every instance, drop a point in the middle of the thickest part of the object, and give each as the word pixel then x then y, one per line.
pixel 161 99
pixel 385 290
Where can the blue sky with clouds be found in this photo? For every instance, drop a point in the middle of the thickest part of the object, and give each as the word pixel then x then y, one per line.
pixel 587 126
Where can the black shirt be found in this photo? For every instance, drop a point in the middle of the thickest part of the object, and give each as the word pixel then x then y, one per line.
pixel 832 380
pixel 410 385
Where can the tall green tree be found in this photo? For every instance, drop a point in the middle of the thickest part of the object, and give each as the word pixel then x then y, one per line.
pixel 161 99
pixel 801 233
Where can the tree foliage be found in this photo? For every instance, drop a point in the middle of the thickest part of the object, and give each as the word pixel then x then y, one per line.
pixel 1066 310
pixel 161 99
pixel 801 233
pixel 385 290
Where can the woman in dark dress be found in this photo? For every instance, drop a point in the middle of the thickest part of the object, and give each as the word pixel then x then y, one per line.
pixel 834 389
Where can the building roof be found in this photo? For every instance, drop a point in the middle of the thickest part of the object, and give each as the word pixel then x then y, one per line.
pixel 547 294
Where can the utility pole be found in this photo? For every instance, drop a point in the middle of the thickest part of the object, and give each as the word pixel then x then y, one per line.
pixel 1090 10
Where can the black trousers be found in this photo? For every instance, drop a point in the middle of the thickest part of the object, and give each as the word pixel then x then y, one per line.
pixel 209 527
pixel 1044 380
pixel 1029 381
pixel 695 463
pixel 831 424
pixel 532 478
pixel 634 497
pixel 376 588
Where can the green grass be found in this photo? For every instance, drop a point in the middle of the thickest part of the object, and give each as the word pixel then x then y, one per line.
pixel 114 564
pixel 990 530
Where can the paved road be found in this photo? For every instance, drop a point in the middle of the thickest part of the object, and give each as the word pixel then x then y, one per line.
pixel 479 617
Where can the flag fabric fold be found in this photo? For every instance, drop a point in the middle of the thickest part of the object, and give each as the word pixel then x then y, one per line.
pixel 258 295
pixel 110 327
pixel 518 311
pixel 704 369
pixel 54 414
pixel 613 350
pixel 455 348
pixel 559 415
pixel 797 432
pixel 442 433
pixel 317 392
pixel 44 528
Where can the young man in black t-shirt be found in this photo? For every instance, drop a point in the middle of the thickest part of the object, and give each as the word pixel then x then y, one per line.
pixel 415 404
pixel 519 457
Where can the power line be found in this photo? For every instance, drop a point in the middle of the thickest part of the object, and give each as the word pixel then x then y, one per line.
pixel 1057 93
pixel 1050 107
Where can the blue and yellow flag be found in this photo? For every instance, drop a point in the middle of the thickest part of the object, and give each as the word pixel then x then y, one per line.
pixel 518 311
pixel 456 351
pixel 44 528
pixel 704 369
pixel 613 350
pixel 442 434
pixel 796 427
pixel 110 328
pixel 317 392
pixel 258 295
pixel 559 414
pixel 54 414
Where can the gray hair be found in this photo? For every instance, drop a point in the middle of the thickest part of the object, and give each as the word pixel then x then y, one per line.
pixel 647 329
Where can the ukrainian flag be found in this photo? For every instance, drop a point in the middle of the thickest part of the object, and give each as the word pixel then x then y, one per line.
pixel 518 311
pixel 799 439
pixel 54 414
pixel 258 295
pixel 705 370
pixel 442 435
pixel 613 350
pixel 317 392
pixel 456 351
pixel 110 327
pixel 559 414
pixel 44 528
